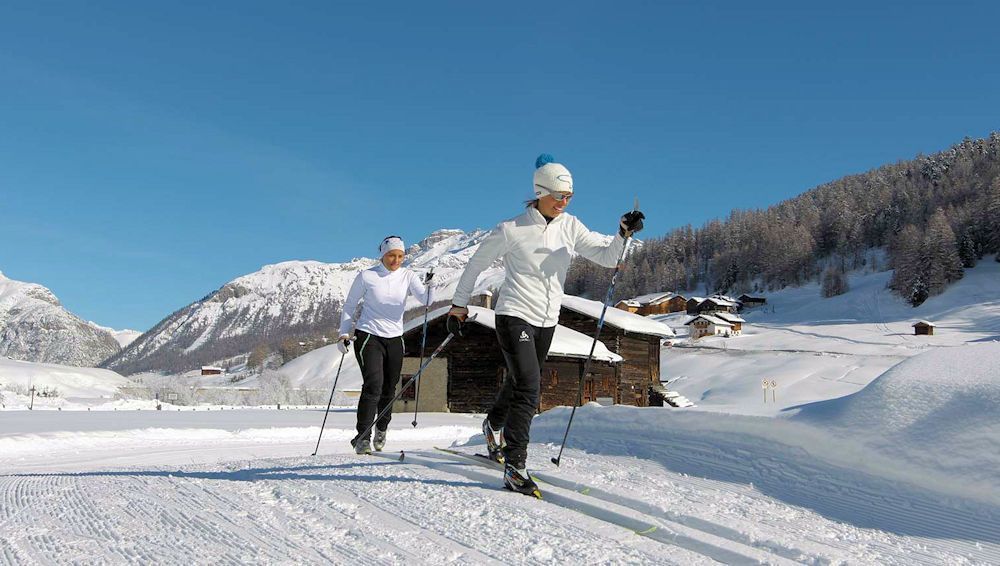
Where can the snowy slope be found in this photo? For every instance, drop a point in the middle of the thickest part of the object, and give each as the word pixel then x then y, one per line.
pixel 35 327
pixel 71 382
pixel 816 349
pixel 293 298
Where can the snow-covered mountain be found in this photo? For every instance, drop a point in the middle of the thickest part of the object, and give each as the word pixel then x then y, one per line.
pixel 35 327
pixel 123 337
pixel 289 299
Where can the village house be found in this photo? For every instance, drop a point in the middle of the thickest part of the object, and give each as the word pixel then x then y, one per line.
pixel 733 319
pixel 708 325
pixel 635 338
pixel 654 303
pixel 719 303
pixel 468 374
pixel 748 301
pixel 923 328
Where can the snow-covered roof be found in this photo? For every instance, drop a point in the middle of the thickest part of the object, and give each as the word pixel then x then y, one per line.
pixel 728 316
pixel 714 320
pixel 654 298
pixel 629 302
pixel 211 368
pixel 696 299
pixel 723 302
pixel 566 342
pixel 618 318
pixel 923 323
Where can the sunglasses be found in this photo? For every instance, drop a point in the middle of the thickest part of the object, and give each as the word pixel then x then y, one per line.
pixel 561 197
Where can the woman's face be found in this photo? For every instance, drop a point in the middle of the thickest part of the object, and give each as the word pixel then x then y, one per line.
pixel 551 206
pixel 393 259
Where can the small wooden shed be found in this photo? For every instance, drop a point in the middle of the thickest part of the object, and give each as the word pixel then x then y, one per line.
pixel 923 328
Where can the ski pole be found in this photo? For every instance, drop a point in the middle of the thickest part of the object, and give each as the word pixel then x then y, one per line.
pixel 423 366
pixel 329 404
pixel 423 345
pixel 590 357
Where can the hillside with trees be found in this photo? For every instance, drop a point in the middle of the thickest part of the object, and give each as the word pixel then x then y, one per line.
pixel 933 215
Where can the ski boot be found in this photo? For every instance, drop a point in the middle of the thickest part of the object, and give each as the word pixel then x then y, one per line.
pixel 379 441
pixel 362 446
pixel 520 481
pixel 494 441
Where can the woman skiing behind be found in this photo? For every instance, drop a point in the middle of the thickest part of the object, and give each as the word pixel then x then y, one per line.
pixel 378 335
pixel 536 248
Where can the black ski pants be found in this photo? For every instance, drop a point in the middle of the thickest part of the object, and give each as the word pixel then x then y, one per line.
pixel 381 360
pixel 524 348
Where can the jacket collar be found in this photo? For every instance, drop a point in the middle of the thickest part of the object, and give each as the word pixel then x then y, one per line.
pixel 537 217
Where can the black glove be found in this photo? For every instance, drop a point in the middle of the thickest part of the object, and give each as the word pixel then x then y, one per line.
pixel 630 222
pixel 428 276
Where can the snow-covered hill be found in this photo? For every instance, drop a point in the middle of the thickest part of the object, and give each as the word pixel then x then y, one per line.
pixel 816 349
pixel 35 327
pixel 17 377
pixel 294 298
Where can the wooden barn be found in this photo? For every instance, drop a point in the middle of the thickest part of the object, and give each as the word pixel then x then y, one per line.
pixel 749 301
pixel 628 305
pixel 693 303
pixel 656 303
pixel 923 328
pixel 471 368
pixel 718 303
pixel 635 338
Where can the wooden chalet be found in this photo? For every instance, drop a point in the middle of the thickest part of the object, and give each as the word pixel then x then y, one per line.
pixel 923 328
pixel 748 301
pixel 692 304
pixel 655 303
pixel 628 305
pixel 212 370
pixel 635 338
pixel 718 303
pixel 471 369
pixel 733 319
pixel 708 325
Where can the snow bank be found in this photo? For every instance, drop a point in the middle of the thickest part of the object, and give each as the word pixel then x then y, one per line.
pixel 938 411
pixel 932 422
pixel 70 381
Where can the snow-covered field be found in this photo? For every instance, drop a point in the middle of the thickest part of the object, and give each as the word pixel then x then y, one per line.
pixel 878 447
pixel 895 474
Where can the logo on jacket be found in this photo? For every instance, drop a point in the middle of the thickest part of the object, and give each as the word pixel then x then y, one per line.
pixel 524 337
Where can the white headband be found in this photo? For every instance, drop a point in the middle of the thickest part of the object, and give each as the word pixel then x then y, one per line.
pixel 391 243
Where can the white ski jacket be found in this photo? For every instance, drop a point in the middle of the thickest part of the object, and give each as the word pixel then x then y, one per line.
pixel 536 257
pixel 384 294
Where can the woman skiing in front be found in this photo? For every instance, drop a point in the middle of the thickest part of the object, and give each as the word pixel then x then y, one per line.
pixel 378 335
pixel 536 248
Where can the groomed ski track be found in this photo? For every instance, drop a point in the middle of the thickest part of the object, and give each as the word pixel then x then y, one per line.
pixel 432 508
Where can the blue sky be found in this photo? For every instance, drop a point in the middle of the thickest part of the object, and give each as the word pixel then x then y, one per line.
pixel 150 152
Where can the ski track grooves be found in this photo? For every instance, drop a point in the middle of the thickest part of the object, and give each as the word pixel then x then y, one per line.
pixel 825 490
pixel 621 514
pixel 358 512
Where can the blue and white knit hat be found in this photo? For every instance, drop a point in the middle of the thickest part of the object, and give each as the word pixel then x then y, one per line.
pixel 551 177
